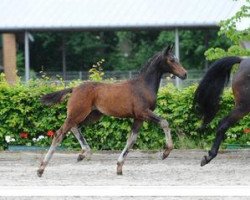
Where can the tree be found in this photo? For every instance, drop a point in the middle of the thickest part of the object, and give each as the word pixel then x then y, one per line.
pixel 83 49
pixel 121 50
pixel 228 28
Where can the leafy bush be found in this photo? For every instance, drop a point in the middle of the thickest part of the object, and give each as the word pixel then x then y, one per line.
pixel 229 30
pixel 22 112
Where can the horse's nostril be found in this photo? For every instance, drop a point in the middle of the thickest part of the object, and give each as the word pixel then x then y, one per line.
pixel 185 76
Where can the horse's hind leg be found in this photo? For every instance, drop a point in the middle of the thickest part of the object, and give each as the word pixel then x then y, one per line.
pixel 55 142
pixel 84 145
pixel 224 124
pixel 76 113
pixel 130 142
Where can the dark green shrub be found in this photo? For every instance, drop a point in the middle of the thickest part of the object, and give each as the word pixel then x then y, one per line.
pixel 21 111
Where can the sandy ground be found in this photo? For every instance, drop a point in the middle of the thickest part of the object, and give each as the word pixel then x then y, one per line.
pixel 140 169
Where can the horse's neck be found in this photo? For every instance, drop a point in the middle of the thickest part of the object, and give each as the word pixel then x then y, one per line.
pixel 152 79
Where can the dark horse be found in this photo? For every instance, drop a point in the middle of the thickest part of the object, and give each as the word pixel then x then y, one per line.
pixel 207 97
pixel 135 98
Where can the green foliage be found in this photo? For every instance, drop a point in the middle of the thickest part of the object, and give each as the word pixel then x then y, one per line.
pixel 96 72
pixel 20 61
pixel 21 111
pixel 134 48
pixel 83 49
pixel 228 29
pixel 122 50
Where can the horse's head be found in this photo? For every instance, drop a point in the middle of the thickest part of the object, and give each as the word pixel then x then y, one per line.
pixel 171 63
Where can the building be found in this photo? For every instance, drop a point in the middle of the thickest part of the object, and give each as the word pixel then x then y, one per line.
pixel 83 15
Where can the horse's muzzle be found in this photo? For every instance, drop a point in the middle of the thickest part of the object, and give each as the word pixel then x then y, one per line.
pixel 183 77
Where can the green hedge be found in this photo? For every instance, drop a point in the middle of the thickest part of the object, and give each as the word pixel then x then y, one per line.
pixel 21 111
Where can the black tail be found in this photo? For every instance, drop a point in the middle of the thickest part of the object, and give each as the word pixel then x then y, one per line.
pixel 207 95
pixel 55 97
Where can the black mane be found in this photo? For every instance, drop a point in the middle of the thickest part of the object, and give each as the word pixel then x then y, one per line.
pixel 151 62
pixel 151 73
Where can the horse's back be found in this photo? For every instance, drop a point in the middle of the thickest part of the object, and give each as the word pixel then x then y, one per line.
pixel 115 99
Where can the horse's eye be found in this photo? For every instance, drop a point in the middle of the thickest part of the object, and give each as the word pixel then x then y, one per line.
pixel 172 60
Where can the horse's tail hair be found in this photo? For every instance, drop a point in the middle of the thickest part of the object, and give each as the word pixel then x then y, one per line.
pixel 55 97
pixel 208 93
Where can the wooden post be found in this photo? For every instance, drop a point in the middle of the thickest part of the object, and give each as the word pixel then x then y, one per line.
pixel 9 57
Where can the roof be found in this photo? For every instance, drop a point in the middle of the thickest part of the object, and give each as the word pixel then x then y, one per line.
pixel 19 15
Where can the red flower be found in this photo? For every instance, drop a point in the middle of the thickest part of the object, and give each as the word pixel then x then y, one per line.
pixel 50 133
pixel 23 135
pixel 246 130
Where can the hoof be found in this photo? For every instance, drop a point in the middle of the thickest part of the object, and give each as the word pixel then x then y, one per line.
pixel 204 161
pixel 119 169
pixel 40 172
pixel 166 153
pixel 119 172
pixel 80 157
pixel 164 156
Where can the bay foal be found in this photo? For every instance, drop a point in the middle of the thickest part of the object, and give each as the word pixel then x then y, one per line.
pixel 135 98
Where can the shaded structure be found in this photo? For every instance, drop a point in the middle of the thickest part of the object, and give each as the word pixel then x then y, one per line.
pixel 86 15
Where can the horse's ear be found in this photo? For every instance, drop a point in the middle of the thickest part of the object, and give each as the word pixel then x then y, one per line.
pixel 171 47
pixel 166 50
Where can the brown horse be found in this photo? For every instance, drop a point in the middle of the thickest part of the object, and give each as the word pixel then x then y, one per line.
pixel 207 97
pixel 135 98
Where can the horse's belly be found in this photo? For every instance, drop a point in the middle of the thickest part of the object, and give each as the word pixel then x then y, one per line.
pixel 116 110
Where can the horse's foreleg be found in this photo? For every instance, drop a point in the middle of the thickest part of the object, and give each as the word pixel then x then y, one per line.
pixel 165 126
pixel 55 142
pixel 130 142
pixel 84 145
pixel 224 124
pixel 169 142
pixel 94 116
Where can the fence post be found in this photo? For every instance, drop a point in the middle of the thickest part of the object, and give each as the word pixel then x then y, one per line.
pixel 27 56
pixel 80 75
pixel 177 54
pixel 130 74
